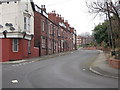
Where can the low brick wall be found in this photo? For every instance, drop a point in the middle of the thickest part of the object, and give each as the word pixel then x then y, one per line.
pixel 90 48
pixel 114 63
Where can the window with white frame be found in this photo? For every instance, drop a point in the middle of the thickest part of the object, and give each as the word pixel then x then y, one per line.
pixel 51 29
pixel 58 33
pixel 43 26
pixel 26 6
pixel 15 45
pixel 49 45
pixel 43 41
pixel 54 29
pixel 26 23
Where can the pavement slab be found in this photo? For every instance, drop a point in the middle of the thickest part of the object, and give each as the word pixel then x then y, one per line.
pixel 100 66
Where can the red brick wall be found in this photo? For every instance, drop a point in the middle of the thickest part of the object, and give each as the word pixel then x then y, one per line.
pixel 38 32
pixel 37 28
pixel 16 55
pixel 0 50
pixel 114 63
pixel 6 49
pixel 34 50
pixel 8 54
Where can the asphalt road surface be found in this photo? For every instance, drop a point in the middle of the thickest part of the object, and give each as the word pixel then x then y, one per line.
pixel 69 71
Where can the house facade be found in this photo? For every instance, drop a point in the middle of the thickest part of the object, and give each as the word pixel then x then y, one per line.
pixel 17 30
pixel 27 31
pixel 52 33
pixel 80 41
pixel 66 34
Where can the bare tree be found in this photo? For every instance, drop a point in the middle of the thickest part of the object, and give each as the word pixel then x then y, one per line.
pixel 103 6
pixel 110 8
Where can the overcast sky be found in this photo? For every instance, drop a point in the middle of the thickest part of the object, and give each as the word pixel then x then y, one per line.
pixel 75 11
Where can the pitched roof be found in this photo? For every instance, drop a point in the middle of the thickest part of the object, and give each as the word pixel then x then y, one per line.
pixel 3 1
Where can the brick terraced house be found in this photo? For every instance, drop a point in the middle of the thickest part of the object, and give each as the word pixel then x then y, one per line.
pixel 52 33
pixel 28 31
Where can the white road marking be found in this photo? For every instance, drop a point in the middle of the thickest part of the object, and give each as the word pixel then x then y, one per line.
pixel 30 62
pixel 14 81
pixel 16 65
pixel 84 69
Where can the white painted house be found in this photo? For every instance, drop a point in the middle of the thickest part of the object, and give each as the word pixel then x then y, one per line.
pixel 16 17
pixel 16 29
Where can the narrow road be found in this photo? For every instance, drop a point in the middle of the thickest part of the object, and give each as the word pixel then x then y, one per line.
pixel 69 71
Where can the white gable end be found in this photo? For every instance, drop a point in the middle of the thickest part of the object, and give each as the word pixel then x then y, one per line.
pixel 14 12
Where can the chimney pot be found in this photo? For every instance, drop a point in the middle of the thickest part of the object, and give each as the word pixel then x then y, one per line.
pixel 54 11
pixel 58 15
pixel 43 8
pixel 66 20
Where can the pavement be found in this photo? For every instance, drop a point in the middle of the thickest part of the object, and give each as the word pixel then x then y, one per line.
pixel 36 59
pixel 99 66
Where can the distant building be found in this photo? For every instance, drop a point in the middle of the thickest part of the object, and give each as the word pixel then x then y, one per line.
pixel 82 40
pixel 79 41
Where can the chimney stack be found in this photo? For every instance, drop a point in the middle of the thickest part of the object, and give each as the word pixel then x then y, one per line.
pixel 43 8
pixel 66 21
